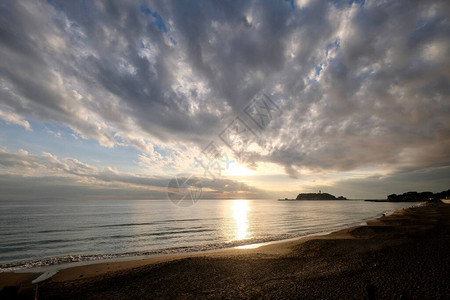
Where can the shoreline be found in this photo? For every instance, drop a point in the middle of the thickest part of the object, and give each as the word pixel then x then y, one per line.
pixel 17 267
pixel 74 260
pixel 130 257
pixel 157 257
pixel 66 272
pixel 275 250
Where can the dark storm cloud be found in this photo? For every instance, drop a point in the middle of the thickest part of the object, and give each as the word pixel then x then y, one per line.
pixel 363 84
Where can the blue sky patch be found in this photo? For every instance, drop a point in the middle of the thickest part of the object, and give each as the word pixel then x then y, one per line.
pixel 158 21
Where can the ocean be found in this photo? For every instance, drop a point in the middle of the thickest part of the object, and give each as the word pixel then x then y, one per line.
pixel 48 232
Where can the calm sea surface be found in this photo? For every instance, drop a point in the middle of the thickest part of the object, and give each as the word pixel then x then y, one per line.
pixel 35 233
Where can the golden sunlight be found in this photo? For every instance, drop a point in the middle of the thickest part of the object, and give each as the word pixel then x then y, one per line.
pixel 240 210
pixel 235 169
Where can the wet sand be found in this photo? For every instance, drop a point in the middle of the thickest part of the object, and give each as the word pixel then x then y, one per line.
pixel 402 256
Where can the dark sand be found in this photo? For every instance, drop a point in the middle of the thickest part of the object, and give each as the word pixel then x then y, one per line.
pixel 403 256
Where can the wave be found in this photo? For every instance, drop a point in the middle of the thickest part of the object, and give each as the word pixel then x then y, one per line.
pixel 51 261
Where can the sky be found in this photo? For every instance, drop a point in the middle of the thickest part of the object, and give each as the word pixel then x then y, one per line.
pixel 254 99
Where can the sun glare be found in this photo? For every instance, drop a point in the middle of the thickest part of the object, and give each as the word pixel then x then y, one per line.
pixel 238 170
pixel 240 210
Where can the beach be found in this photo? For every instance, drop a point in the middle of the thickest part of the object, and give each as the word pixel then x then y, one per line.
pixel 401 256
pixel 224 149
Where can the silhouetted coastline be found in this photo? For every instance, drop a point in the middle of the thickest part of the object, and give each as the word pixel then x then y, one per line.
pixel 415 197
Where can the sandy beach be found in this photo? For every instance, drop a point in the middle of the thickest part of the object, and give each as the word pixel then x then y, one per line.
pixel 402 256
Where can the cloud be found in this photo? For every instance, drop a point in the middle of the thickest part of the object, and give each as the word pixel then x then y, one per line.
pixel 363 84
pixel 26 176
pixel 378 187
pixel 12 118
pixel 375 96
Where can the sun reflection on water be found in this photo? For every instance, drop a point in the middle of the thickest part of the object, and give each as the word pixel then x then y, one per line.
pixel 240 215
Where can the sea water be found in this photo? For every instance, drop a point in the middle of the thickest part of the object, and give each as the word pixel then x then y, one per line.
pixel 48 232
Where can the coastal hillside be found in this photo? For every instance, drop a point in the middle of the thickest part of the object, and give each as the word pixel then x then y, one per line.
pixel 417 197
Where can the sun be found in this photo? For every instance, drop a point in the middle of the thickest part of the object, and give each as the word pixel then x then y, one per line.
pixel 235 169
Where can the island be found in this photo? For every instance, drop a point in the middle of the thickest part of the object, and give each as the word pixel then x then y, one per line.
pixel 314 196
